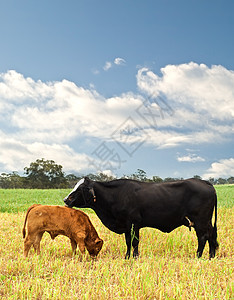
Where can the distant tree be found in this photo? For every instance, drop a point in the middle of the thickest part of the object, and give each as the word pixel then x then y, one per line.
pixel 92 176
pixel 221 181
pixel 197 177
pixel 11 181
pixel 230 180
pixel 169 179
pixel 212 180
pixel 104 177
pixel 101 177
pixel 138 175
pixel 157 179
pixel 5 182
pixel 141 175
pixel 72 180
pixel 45 174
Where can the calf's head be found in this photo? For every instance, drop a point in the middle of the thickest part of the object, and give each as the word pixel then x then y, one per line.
pixel 94 247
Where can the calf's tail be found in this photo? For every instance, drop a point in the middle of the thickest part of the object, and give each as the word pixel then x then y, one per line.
pixel 26 217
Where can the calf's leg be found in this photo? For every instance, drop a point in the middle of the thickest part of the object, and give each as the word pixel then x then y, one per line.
pixel 32 239
pixel 81 244
pixel 27 245
pixel 36 243
pixel 74 246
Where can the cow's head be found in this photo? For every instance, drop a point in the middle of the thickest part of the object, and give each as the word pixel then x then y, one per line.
pixel 82 195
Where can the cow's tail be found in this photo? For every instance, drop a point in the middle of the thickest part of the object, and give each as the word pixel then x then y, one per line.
pixel 214 233
pixel 26 217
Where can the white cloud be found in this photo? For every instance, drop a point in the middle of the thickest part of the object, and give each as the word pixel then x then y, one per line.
pixel 197 108
pixel 165 138
pixel 222 168
pixel 16 154
pixel 65 111
pixel 47 117
pixel 119 61
pixel 95 71
pixel 15 88
pixel 202 100
pixel 107 172
pixel 196 87
pixel 190 158
pixel 107 66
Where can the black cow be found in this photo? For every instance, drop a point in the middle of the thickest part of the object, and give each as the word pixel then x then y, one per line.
pixel 125 205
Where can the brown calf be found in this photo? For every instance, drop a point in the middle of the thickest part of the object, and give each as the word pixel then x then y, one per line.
pixel 62 220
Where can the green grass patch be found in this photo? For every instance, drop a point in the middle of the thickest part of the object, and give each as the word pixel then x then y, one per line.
pixel 225 195
pixel 18 200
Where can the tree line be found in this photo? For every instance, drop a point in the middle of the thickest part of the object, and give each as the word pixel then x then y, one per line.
pixel 46 174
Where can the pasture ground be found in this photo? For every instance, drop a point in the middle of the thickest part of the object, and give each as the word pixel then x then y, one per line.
pixel 166 269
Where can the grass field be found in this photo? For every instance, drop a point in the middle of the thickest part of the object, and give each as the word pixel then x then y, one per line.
pixel 166 269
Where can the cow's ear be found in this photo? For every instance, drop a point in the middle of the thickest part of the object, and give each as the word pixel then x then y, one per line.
pixel 87 181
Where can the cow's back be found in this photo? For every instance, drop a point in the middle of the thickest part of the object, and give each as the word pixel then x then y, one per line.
pixel 164 205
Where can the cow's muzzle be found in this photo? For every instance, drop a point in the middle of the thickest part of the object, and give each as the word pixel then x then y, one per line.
pixel 66 201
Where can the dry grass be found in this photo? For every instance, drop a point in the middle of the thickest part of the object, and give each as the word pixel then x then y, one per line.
pixel 166 269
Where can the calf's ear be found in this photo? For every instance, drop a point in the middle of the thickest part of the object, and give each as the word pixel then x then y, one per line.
pixel 98 241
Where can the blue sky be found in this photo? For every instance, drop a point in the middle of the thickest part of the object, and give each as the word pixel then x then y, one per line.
pixel 118 86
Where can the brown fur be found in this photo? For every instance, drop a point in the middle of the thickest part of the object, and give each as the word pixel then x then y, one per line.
pixel 62 220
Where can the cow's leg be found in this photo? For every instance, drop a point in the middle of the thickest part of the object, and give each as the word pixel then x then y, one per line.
pixel 132 240
pixel 135 242
pixel 202 236
pixel 201 245
pixel 74 246
pixel 212 248
pixel 213 244
pixel 128 243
